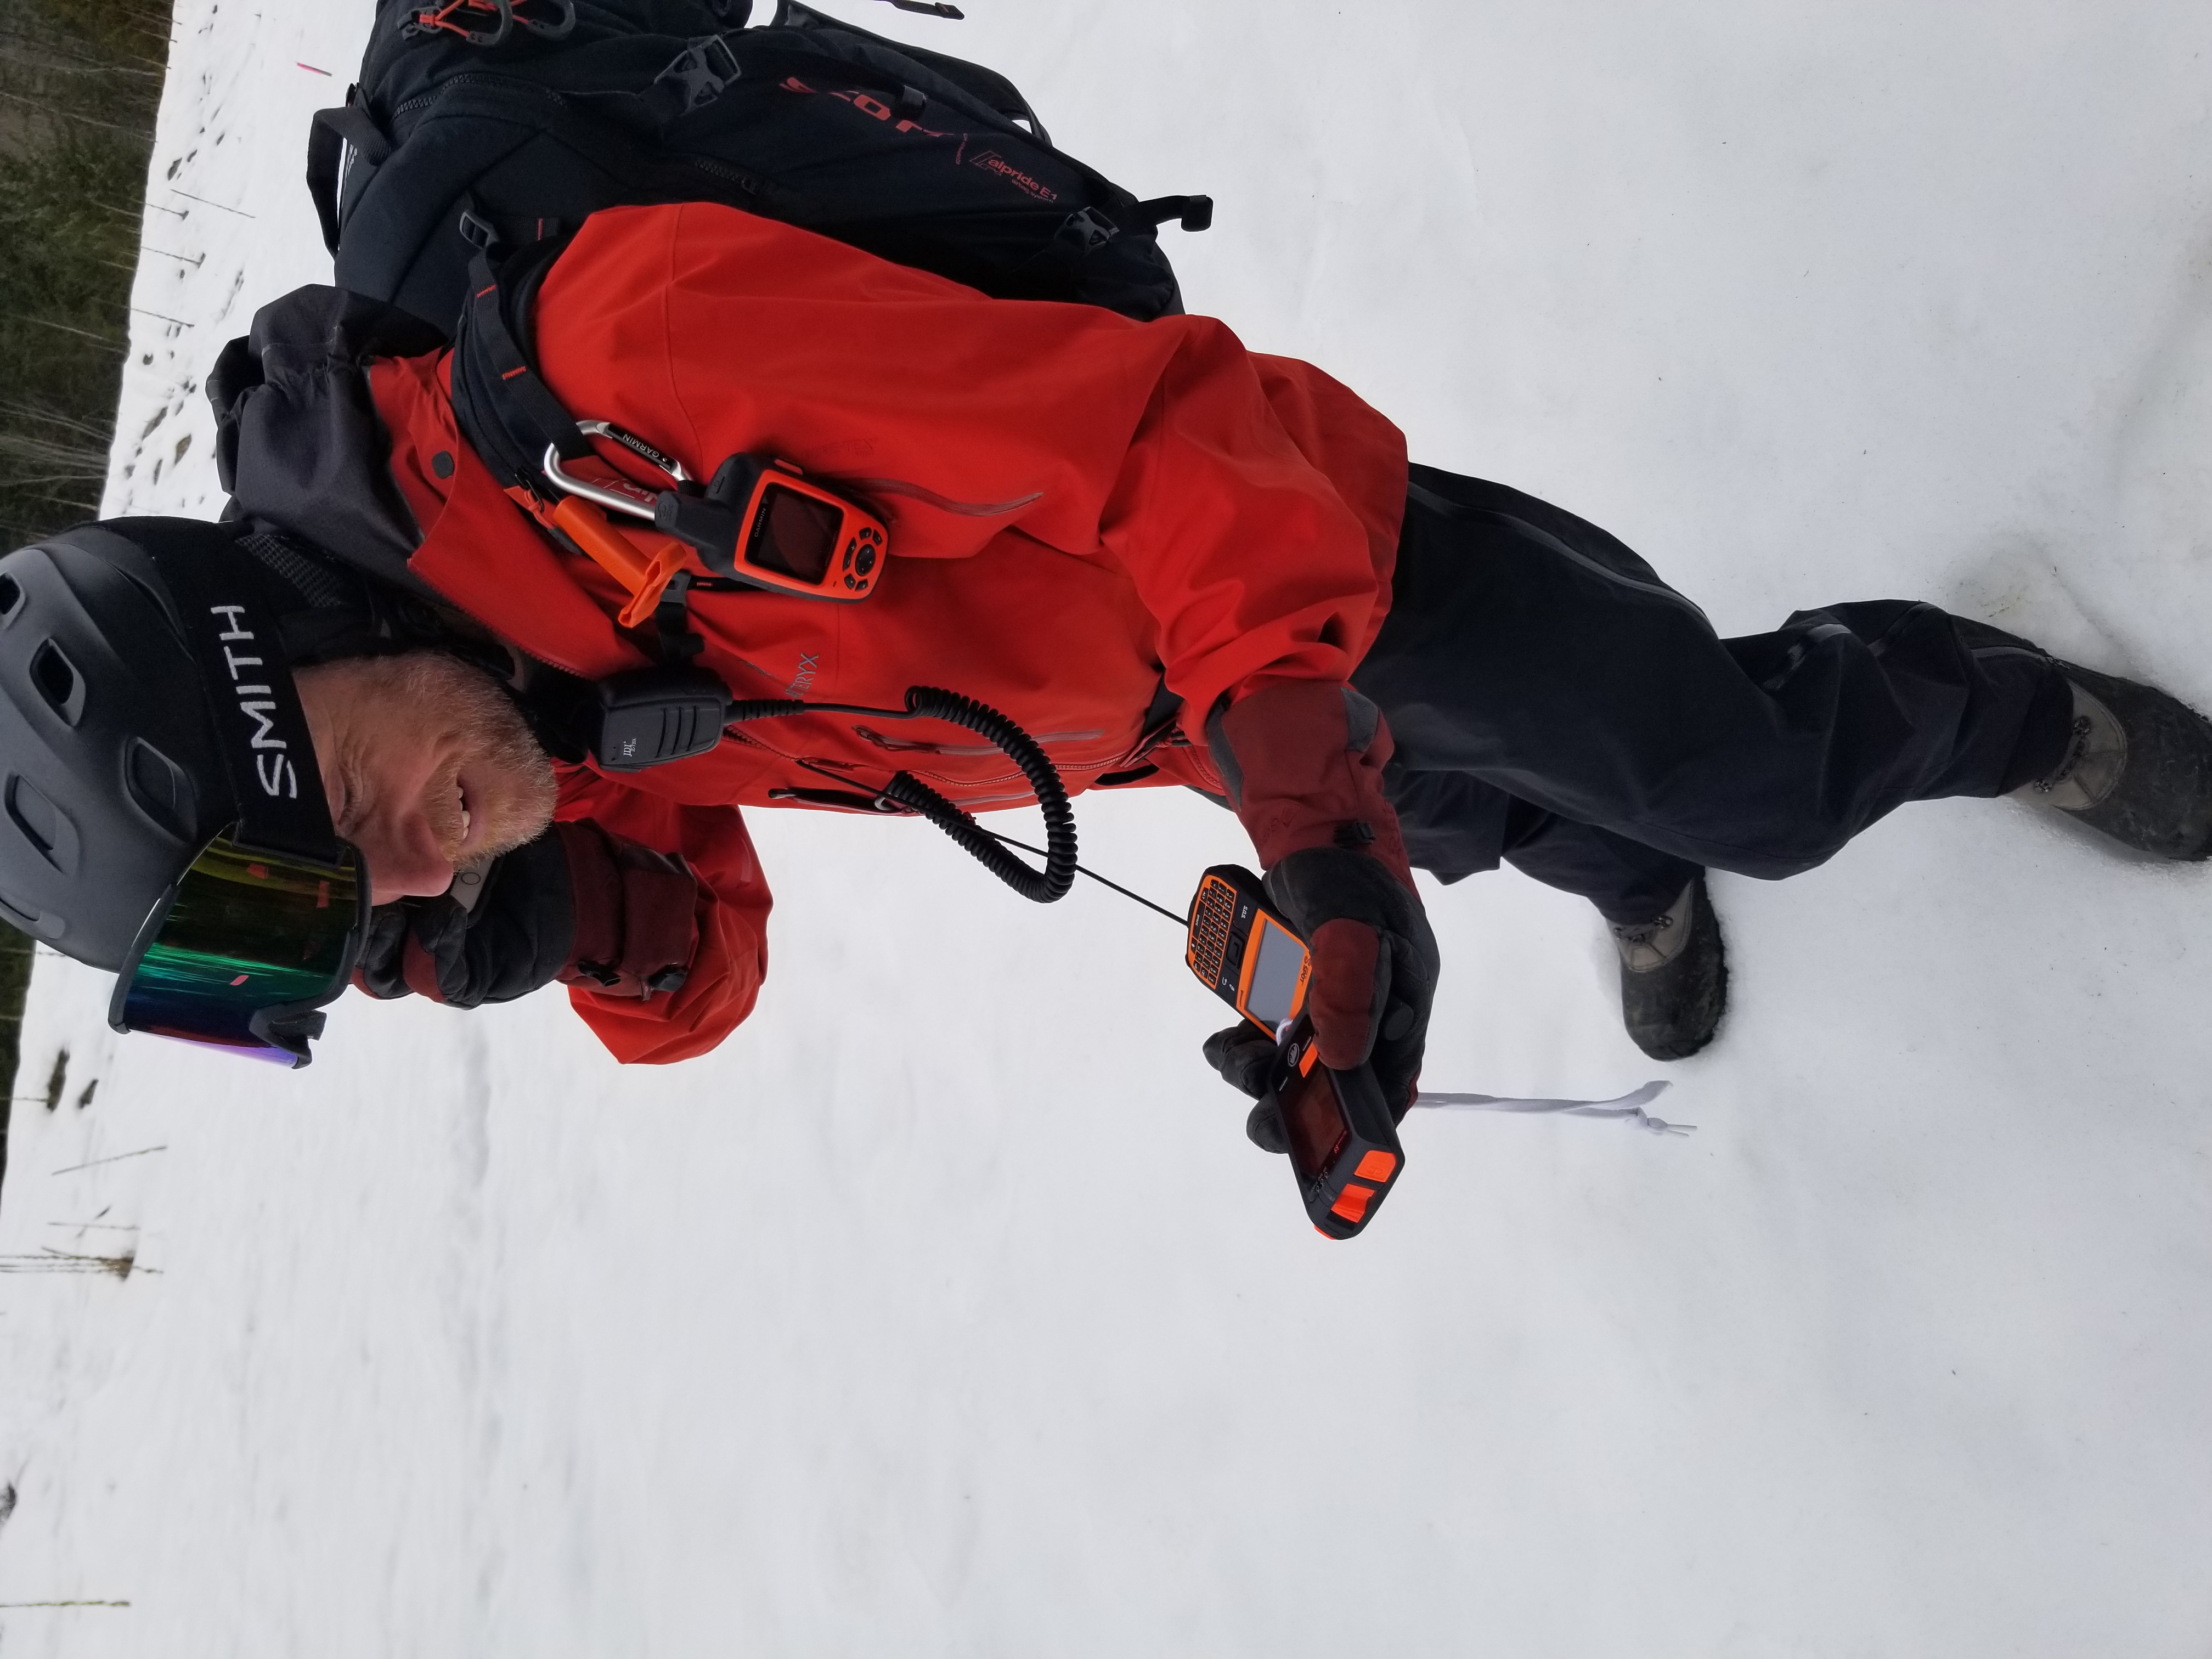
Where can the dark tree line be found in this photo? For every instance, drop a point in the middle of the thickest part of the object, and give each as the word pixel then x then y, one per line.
pixel 80 82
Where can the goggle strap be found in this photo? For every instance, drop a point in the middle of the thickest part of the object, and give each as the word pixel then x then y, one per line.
pixel 231 625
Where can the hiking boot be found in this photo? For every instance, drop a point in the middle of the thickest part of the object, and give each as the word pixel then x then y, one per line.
pixel 2138 768
pixel 1674 976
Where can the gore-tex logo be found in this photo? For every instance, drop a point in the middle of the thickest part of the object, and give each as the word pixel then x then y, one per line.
pixel 991 162
pixel 257 702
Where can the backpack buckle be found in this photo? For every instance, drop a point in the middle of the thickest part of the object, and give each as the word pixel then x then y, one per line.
pixel 478 232
pixel 1088 229
pixel 555 29
pixel 701 71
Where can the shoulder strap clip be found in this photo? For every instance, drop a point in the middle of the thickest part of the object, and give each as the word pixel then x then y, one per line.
pixel 700 74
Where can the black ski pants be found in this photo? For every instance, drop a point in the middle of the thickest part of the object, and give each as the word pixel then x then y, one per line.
pixel 1558 706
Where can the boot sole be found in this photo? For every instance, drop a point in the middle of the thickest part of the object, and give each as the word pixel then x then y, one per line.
pixel 2162 804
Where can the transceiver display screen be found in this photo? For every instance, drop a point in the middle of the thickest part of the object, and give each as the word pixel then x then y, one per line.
pixel 1273 997
pixel 797 534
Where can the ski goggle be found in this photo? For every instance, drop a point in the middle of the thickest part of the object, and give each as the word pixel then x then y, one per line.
pixel 248 946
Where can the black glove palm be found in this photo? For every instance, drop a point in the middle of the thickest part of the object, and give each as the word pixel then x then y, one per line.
pixel 578 904
pixel 1242 1054
pixel 512 939
pixel 1328 893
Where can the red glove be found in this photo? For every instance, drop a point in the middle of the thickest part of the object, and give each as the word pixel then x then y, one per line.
pixel 1303 761
pixel 636 914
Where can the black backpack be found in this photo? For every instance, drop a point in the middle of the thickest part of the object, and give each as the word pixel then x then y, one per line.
pixel 486 125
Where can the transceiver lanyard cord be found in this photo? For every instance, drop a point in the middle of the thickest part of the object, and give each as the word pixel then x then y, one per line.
pixel 1628 1108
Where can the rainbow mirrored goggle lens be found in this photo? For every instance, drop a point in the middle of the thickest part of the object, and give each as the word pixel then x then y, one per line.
pixel 251 944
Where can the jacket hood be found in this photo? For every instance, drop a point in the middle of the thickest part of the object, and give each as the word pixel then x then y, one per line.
pixel 298 442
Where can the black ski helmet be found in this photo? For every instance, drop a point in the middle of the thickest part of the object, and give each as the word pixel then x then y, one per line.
pixel 110 779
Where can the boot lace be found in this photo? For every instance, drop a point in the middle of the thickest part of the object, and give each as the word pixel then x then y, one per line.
pixel 1641 933
pixel 2074 750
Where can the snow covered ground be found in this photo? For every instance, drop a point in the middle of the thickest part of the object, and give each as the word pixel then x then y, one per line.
pixel 946 1311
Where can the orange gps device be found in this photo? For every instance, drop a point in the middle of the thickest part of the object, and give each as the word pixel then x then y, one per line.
pixel 763 522
pixel 1342 1141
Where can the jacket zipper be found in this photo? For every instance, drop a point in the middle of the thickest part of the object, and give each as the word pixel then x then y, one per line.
pixel 907 746
pixel 936 779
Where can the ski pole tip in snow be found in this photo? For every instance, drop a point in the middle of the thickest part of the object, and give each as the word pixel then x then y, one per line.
pixel 1629 1107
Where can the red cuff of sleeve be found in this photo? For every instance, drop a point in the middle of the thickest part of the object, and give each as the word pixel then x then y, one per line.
pixel 595 888
pixel 1303 760
pixel 636 914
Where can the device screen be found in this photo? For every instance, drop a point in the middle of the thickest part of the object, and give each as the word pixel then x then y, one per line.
pixel 797 536
pixel 1314 1121
pixel 1274 995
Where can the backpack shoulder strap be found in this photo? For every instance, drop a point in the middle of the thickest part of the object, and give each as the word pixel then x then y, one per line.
pixel 504 410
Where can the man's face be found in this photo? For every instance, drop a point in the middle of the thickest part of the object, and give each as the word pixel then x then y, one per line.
pixel 425 765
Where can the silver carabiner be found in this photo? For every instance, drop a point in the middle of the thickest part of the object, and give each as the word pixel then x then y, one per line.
pixel 617 494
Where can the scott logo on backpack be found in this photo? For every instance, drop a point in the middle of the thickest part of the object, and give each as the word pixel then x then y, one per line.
pixel 485 126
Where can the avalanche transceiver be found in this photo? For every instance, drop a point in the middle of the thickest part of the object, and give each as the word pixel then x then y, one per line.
pixel 1343 1145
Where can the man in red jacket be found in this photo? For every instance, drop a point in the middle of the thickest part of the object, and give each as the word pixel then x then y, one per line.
pixel 1173 560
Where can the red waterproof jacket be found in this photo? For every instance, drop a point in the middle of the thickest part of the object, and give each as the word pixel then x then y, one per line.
pixel 1081 508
